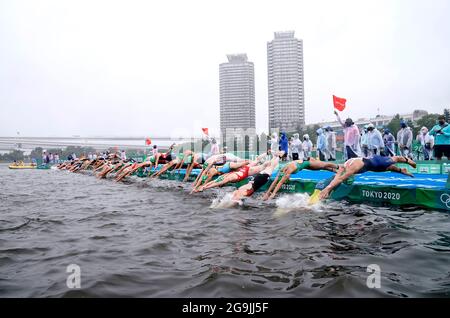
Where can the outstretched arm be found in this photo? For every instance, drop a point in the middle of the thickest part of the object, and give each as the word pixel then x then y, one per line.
pixel 158 155
pixel 342 175
pixel 339 119
pixel 179 165
pixel 203 172
pixel 121 176
pixel 280 184
pixel 150 169
pixel 189 169
pixel 100 167
pixel 123 168
pixel 274 182
pixel 166 167
pixel 140 165
pixel 207 181
pixel 198 181
pixel 124 174
pixel 226 179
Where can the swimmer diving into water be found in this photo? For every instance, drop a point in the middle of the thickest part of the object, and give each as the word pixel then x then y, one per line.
pixel 360 165
pixel 295 166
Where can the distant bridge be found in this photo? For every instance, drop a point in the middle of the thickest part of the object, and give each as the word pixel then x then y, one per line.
pixel 100 143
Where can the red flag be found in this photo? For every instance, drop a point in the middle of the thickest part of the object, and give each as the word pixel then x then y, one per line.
pixel 205 131
pixel 339 103
pixel 148 141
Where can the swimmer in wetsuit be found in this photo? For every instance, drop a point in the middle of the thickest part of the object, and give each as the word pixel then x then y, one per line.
pixel 293 167
pixel 360 165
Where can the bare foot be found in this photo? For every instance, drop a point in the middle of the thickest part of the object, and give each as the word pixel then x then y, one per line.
pixel 410 162
pixel 406 172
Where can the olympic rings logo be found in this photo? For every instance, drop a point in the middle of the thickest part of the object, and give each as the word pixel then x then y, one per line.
pixel 445 199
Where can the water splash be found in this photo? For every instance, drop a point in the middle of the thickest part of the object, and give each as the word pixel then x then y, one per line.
pixel 225 202
pixel 295 202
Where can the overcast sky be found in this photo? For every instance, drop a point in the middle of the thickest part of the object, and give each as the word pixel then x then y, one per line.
pixel 132 68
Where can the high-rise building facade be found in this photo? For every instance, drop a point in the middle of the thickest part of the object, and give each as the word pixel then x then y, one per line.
pixel 237 93
pixel 285 81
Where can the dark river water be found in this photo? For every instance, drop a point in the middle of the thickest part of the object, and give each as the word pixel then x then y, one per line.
pixel 153 239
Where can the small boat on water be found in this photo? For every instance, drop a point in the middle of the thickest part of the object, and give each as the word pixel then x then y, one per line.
pixel 22 165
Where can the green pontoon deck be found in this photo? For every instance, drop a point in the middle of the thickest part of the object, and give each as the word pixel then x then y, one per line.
pixel 428 190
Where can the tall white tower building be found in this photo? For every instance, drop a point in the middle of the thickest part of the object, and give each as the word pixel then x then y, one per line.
pixel 285 79
pixel 237 93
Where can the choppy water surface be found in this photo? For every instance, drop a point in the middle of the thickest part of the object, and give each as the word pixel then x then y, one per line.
pixel 143 239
